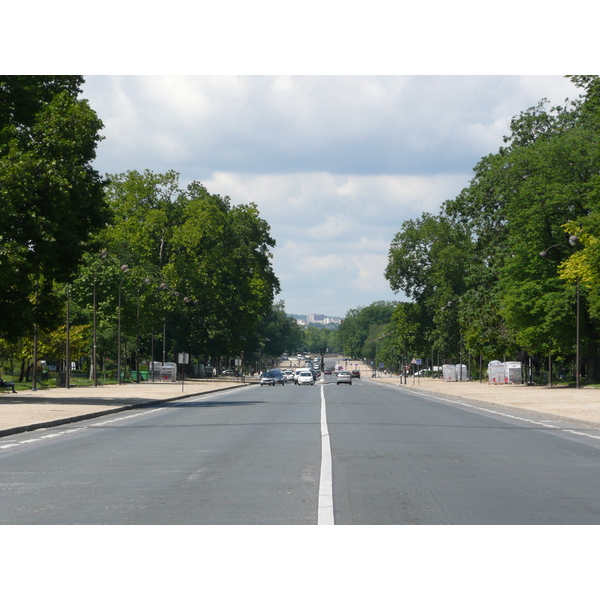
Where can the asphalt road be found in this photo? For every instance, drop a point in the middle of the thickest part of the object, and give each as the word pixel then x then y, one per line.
pixel 261 456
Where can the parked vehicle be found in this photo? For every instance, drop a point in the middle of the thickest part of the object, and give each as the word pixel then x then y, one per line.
pixel 266 378
pixel 344 377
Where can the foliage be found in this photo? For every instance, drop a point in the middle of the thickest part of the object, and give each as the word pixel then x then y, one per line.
pixel 51 200
pixel 475 272
pixel 277 333
pixel 354 329
pixel 211 259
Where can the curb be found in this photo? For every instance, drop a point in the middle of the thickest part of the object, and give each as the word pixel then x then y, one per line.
pixel 108 411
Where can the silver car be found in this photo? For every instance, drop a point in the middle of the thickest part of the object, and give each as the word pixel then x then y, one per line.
pixel 344 377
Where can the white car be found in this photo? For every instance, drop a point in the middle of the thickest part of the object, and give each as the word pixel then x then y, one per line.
pixel 289 375
pixel 305 377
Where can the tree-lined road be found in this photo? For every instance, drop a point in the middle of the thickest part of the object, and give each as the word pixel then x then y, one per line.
pixel 253 456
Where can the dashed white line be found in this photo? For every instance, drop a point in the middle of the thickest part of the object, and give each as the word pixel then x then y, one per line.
pixel 325 504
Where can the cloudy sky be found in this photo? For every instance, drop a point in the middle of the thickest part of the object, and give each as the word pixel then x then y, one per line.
pixel 335 164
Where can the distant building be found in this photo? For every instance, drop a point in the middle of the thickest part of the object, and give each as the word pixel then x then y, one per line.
pixel 316 318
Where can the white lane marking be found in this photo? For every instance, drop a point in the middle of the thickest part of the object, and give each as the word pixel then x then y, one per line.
pixel 129 416
pixel 325 505
pixel 502 414
pixel 83 428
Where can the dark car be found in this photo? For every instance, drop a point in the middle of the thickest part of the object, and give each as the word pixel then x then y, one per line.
pixel 355 374
pixel 278 377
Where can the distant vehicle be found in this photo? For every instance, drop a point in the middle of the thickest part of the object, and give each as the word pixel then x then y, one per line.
pixel 278 377
pixel 328 371
pixel 266 378
pixel 305 377
pixel 289 375
pixel 355 374
pixel 344 377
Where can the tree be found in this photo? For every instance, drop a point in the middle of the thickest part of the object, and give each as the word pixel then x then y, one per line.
pixel 51 199
pixel 214 259
pixel 277 333
pixel 354 329
pixel 428 260
pixel 475 270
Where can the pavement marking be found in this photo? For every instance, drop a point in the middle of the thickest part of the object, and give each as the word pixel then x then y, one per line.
pixel 107 422
pixel 68 431
pixel 325 504
pixel 543 423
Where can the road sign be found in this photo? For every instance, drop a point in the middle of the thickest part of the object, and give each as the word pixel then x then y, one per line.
pixel 418 361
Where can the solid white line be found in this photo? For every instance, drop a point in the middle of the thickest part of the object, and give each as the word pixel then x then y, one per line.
pixel 503 414
pixel 325 505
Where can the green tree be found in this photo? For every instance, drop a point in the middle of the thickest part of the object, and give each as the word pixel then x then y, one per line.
pixel 354 329
pixel 214 259
pixel 51 199
pixel 428 260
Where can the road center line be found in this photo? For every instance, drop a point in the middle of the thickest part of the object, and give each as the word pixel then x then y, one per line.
pixel 325 505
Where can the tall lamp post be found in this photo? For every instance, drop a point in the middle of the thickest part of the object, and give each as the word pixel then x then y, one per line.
pixel 573 240
pixel 124 269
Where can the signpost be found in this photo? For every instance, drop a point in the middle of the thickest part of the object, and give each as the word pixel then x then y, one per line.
pixel 183 358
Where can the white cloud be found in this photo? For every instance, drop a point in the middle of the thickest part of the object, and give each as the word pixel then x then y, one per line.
pixel 335 164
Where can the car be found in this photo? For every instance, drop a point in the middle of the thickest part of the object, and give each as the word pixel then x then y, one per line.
pixel 328 371
pixel 305 377
pixel 278 377
pixel 289 375
pixel 344 377
pixel 355 374
pixel 266 378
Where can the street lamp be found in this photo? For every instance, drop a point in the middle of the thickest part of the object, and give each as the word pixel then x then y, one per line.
pixel 573 240
pixel 124 269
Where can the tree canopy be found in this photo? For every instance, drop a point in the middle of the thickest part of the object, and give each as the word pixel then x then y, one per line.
pixel 51 199
pixel 475 270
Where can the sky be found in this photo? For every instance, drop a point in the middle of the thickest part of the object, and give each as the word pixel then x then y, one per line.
pixel 335 163
pixel 339 120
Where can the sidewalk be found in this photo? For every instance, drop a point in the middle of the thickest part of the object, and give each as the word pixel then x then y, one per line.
pixel 28 410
